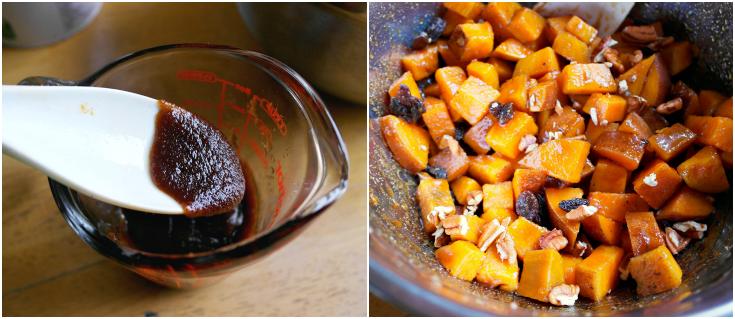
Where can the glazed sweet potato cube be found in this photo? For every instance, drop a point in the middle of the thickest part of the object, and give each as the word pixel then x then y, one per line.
pixel 473 99
pixel 499 15
pixel 658 83
pixel 645 235
pixel 587 79
pixel 570 265
pixel 563 159
pixel 437 119
pixel 541 119
pixel 475 136
pixel 709 100
pixel 654 120
pixel 686 204
pixel 433 90
pixel 498 202
pixel 625 243
pixel 602 229
pixel 472 231
pixel 677 56
pixel 543 96
pixel 485 72
pixel 422 63
pixel 472 41
pixel 487 169
pixel 557 216
pixel 623 148
pixel 704 171
pixel 609 177
pixel 581 29
pixel 408 80
pixel 469 10
pixel 615 206
pixel 462 186
pixel 725 109
pixel 511 50
pixel 542 270
pixel 726 158
pixel 453 19
pixel 531 180
pixel 434 198
pixel 689 99
pixel 498 273
pixel 408 142
pixel 717 132
pixel 555 26
pixel 695 124
pixel 505 139
pixel 655 271
pixel 455 164
pixel 503 67
pixel 571 48
pixel 448 55
pixel 526 25
pixel 450 78
pixel 635 124
pixel 610 108
pixel 672 141
pixel 595 130
pixel 462 259
pixel 598 274
pixel 538 64
pixel 515 91
pixel 525 235
pixel 636 76
pixel 656 183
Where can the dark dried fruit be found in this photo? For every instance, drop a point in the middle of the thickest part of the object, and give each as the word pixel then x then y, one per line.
pixel 502 112
pixel 435 29
pixel 460 129
pixel 543 210
pixel 572 204
pixel 527 206
pixel 406 106
pixel 437 171
pixel 421 41
pixel 553 182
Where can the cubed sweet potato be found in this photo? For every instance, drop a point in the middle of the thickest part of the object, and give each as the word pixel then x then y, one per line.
pixel 462 186
pixel 636 76
pixel 623 148
pixel 655 271
pixel 511 50
pixel 499 15
pixel 557 216
pixel 677 56
pixel 654 120
pixel 450 78
pixel 471 41
pixel 704 171
pixel 526 25
pixel 433 91
pixel 563 158
pixel 602 229
pixel 608 177
pixel 475 137
pixel 485 72
pixel 581 29
pixel 726 158
pixel 537 64
pixel 407 79
pixel 570 265
pixel 635 124
pixel 422 63
pixel 456 165
pixel 625 241
pixel 469 10
pixel 498 273
pixel 462 259
pixel 672 141
pixel 645 235
pixel 489 169
pixel 542 270
pixel 473 223
pixel 555 26
pixel 515 91
pixel 724 109
pixel 437 119
pixel 658 83
pixel 472 99
pixel 615 206
pixel 432 194
pixel 505 139
pixel 598 274
pixel 587 79
pixel 448 56
pixel 571 48
pixel 526 236
pixel 543 96
pixel 408 142
pixel 709 100
pixel 717 132
pixel 656 183
pixel 690 104
pixel 595 130
pixel 498 202
pixel 537 44
pixel 452 19
pixel 610 108
pixel 686 204
pixel 503 67
pixel 531 180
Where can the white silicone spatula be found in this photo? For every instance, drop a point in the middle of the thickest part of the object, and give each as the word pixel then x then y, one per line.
pixel 97 141
pixel 606 17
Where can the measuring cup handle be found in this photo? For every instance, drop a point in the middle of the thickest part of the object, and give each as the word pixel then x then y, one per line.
pixel 43 80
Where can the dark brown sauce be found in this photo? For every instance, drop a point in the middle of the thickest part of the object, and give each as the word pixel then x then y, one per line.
pixel 193 162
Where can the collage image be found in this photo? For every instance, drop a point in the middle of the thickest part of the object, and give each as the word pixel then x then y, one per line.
pixel 367 159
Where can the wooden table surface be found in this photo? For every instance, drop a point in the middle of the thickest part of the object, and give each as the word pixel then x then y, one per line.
pixel 48 270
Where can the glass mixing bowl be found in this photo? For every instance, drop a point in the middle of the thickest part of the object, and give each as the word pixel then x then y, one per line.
pixel 293 154
pixel 403 270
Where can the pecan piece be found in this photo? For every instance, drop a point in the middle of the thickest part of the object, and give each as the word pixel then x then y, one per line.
pixel 448 141
pixel 557 108
pixel 581 212
pixel 564 295
pixel 528 143
pixel 670 106
pixel 554 239
pixel 611 55
pixel 597 52
pixel 489 233
pixel 660 43
pixel 643 34
pixel 456 225
pixel 440 237
pixel 474 198
pixel 624 267
pixel 636 104
pixel 691 229
pixel 439 213
pixel 507 249
pixel 635 58
pixel 674 242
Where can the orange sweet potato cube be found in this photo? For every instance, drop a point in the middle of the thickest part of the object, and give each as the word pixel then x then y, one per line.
pixel 709 100
pixel 505 139
pixel 563 159
pixel 433 91
pixel 724 109
pixel 656 183
pixel 531 180
pixel 726 158
pixel 657 84
pixel 587 79
pixel 615 206
pixel 450 78
pixel 608 177
pixel 581 29
pixel 432 194
pixel 594 131
pixel 555 26
pixel 672 141
pixel 469 10
pixel 462 186
pixel 538 64
pixel 677 56
pixel 408 142
pixel 498 273
pixel 569 123
pixel 408 80
pixel 499 14
pixel 636 76
pixel 635 124
pixel 448 55
pixel 610 108
pixel 625 241
pixel 557 216
pixel 497 202
pixel 686 204
pixel 655 271
pixel 571 48
pixel 690 100
pixel 598 274
pixel 472 233
pixel 473 99
pixel 503 67
pixel 422 63
pixel 570 265
pixel 472 41
pixel 461 258
pixel 485 72
pixel 515 91
pixel 543 96
pixel 654 120
pixel 511 50
pixel 602 229
pixel 526 25
pixel 542 270
pixel 717 132
pixel 537 44
pixel 526 236
pixel 475 136
pixel 645 235
pixel 704 171
pixel 453 19
pixel 456 165
pixel 623 148
pixel 437 119
pixel 488 169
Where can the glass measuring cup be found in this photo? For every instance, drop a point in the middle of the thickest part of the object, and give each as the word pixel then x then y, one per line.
pixel 292 152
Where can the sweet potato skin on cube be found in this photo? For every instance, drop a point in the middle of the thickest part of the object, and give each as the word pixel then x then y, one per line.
pixel 525 235
pixel 505 139
pixel 635 77
pixel 677 56
pixel 598 274
pixel 462 259
pixel 686 204
pixel 704 171
pixel 587 79
pixel 563 159
pixel 615 206
pixel 658 83
pixel 408 142
pixel 655 271
pixel 498 202
pixel 498 273
pixel 623 148
pixel 645 235
pixel 635 124
pixel 667 183
pixel 542 270
pixel 432 193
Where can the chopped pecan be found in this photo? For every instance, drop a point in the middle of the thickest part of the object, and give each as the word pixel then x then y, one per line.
pixel 557 108
pixel 505 222
pixel 507 249
pixel 622 87
pixel 674 242
pixel 441 238
pixel 643 34
pixel 660 43
pixel 564 295
pixel 456 225
pixel 528 143
pixel 624 266
pixel 469 210
pixel 670 106
pixel 650 180
pixel 489 233
pixel 635 58
pixel 440 213
pixel 611 55
pixel 451 143
pixel 691 229
pixel 474 198
pixel 554 240
pixel 636 104
pixel 579 248
pixel 597 53
pixel 581 212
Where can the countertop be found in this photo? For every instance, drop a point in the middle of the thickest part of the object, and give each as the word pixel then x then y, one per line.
pixel 49 271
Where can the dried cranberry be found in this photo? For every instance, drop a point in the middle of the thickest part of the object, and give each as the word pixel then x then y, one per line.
pixel 437 171
pixel 572 204
pixel 502 112
pixel 435 29
pixel 527 206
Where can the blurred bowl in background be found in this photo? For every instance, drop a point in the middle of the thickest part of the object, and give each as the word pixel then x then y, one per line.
pixel 324 42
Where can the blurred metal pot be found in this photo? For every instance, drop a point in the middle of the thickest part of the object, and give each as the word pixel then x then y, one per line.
pixel 325 43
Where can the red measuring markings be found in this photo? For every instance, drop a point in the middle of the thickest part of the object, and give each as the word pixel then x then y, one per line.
pixel 273 112
pixel 281 193
pixel 256 148
pixel 190 75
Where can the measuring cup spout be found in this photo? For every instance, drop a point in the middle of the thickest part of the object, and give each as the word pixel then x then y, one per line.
pixel 44 80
